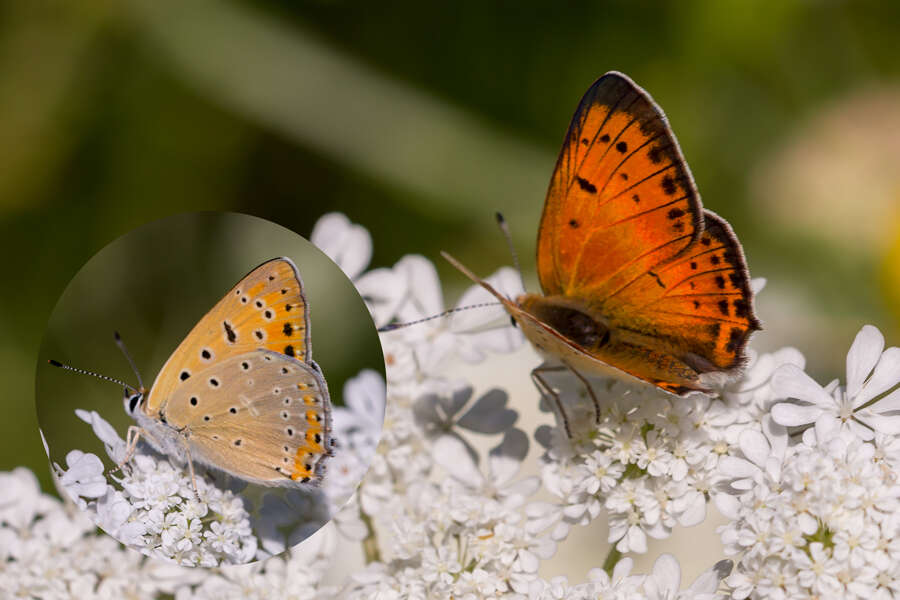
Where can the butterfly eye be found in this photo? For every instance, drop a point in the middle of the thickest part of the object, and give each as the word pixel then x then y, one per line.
pixel 132 402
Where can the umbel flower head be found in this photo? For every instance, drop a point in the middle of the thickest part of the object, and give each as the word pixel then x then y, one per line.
pixel 452 506
pixel 151 506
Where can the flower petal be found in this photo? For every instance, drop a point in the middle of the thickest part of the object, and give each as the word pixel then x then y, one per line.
pixel 728 505
pixel 667 574
pixel 695 512
pixel 755 447
pixel 862 357
pixel 885 376
pixel 346 243
pixel 790 415
pixel 424 285
pixel 452 453
pixel 734 467
pixel 789 381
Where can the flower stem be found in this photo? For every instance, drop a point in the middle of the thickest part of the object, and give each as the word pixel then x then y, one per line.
pixel 370 542
pixel 611 559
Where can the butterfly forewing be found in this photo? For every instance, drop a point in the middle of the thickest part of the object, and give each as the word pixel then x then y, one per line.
pixel 621 200
pixel 261 416
pixel 266 309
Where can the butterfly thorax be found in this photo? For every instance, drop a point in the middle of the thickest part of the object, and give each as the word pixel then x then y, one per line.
pixel 570 318
pixel 159 433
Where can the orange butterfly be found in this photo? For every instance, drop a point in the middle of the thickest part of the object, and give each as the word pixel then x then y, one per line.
pixel 639 281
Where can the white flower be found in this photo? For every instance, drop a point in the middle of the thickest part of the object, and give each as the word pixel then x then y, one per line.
pixel 602 472
pixel 358 426
pixel 440 565
pixel 634 512
pixel 750 395
pixel 858 408
pixel 347 244
pixel 84 477
pixel 469 334
pixel 358 423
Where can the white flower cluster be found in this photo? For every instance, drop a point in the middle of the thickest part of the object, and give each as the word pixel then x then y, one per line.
pixel 805 475
pixel 820 516
pixel 663 583
pixel 153 507
pixel 448 526
pixel 51 551
pixel 651 462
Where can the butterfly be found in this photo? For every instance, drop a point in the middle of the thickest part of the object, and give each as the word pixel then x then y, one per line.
pixel 241 392
pixel 639 281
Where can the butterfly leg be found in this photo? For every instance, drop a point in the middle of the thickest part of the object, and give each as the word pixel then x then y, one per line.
pixel 131 439
pixel 187 454
pixel 547 390
pixel 590 391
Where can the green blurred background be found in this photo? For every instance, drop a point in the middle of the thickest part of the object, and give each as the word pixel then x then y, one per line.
pixel 419 120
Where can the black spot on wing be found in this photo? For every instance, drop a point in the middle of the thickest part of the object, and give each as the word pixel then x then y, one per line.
pixel 735 339
pixel 230 335
pixel 586 185
pixel 668 185
pixel 723 307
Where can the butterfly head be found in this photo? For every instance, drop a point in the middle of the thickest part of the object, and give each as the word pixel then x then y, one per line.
pixel 133 399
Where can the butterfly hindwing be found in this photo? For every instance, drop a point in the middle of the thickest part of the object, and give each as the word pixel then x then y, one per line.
pixel 261 416
pixel 621 199
pixel 706 302
pixel 266 309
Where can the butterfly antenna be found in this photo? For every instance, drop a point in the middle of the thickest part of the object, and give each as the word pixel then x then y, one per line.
pixel 124 350
pixel 504 228
pixel 393 326
pixel 56 363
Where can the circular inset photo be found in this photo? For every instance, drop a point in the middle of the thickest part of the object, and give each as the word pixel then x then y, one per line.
pixel 210 389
